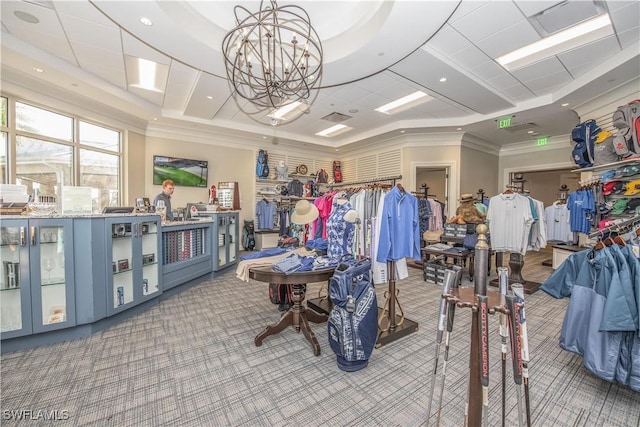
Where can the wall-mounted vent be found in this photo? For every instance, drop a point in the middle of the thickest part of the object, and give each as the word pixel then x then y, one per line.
pixel 336 117
pixel 518 127
pixel 565 14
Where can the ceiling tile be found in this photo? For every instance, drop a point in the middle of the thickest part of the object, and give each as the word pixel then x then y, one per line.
pixel 471 57
pixel 89 33
pixel 509 39
pixel 83 10
pixel 424 68
pixel 581 59
pixel 532 7
pixel 626 18
pixel 198 104
pixel 133 47
pixel 449 41
pixel 545 82
pixel 179 84
pixel 547 66
pixel 486 19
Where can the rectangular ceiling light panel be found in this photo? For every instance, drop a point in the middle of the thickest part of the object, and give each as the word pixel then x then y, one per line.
pixel 334 130
pixel 571 38
pixel 403 103
pixel 145 74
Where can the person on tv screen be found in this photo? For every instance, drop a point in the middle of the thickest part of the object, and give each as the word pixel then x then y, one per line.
pixel 167 190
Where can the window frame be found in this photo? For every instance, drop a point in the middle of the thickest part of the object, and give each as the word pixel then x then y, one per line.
pixel 75 144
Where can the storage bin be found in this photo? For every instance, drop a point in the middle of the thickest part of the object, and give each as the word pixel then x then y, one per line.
pixel 459 230
pixel 433 270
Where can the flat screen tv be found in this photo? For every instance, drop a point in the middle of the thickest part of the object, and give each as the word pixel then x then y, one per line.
pixel 183 172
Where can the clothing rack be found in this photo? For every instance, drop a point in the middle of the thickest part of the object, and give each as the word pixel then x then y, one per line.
pixel 617 226
pixel 367 181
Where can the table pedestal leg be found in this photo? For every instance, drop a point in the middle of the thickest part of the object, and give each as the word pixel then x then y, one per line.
pixel 299 318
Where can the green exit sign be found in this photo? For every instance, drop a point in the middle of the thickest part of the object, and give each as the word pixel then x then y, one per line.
pixel 504 123
pixel 542 141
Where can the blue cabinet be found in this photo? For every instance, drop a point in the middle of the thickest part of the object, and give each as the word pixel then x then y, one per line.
pixel 226 245
pixel 37 286
pixel 186 252
pixel 133 252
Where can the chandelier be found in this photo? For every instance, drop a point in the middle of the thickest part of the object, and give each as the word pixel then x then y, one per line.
pixel 273 57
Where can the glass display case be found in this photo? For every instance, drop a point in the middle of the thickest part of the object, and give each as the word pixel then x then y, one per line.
pixel 134 275
pixel 37 283
pixel 53 273
pixel 227 236
pixel 14 282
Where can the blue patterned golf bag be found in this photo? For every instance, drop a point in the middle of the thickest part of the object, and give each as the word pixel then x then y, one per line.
pixel 353 321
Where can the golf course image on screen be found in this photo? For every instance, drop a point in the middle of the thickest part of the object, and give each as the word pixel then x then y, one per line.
pixel 183 172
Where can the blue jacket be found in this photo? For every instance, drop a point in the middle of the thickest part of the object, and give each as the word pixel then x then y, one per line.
pixel 399 228
pixel 601 322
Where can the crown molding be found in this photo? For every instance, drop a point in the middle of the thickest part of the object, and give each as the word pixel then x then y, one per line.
pixel 479 144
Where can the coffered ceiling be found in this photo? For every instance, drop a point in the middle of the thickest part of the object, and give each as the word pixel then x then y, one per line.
pixel 374 52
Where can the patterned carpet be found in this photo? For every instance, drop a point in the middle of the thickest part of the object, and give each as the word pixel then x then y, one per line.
pixel 191 361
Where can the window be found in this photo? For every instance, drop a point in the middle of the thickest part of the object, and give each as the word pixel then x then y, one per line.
pixel 42 165
pixel 100 172
pixel 100 137
pixel 3 158
pixel 4 143
pixel 43 122
pixel 54 149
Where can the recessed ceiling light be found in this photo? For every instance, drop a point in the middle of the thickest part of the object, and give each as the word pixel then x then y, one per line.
pixel 146 21
pixel 443 79
pixel 566 104
pixel 333 130
pixel 402 131
pixel 26 17
pixel 209 97
pixel 39 70
pixel 155 118
pixel 264 137
pixel 530 131
pixel 404 102
pixel 459 129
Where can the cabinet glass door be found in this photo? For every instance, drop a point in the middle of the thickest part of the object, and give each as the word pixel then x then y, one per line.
pixel 233 237
pixel 150 256
pixel 53 274
pixel 14 281
pixel 223 236
pixel 121 263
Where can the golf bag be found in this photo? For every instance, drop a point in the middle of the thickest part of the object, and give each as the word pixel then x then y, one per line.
pixel 353 321
pixel 248 235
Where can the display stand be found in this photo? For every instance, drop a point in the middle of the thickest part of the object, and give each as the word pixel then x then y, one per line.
pixel 482 304
pixel 516 262
pixel 397 326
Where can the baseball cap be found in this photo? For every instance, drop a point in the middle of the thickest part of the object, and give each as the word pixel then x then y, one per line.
pixel 604 208
pixel 633 188
pixel 630 170
pixel 608 175
pixel 633 205
pixel 604 223
pixel 614 187
pixel 619 206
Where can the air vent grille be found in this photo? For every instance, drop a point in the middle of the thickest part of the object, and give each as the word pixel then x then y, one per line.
pixel 336 117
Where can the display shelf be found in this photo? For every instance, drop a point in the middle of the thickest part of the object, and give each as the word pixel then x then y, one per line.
pixel 612 165
pixel 186 252
pixel 10 289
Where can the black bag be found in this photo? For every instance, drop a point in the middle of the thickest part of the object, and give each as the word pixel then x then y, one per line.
pixel 353 321
pixel 281 294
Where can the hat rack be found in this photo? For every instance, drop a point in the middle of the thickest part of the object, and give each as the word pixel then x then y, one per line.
pixel 617 227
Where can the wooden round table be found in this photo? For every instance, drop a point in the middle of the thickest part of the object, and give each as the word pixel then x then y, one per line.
pixel 298 315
